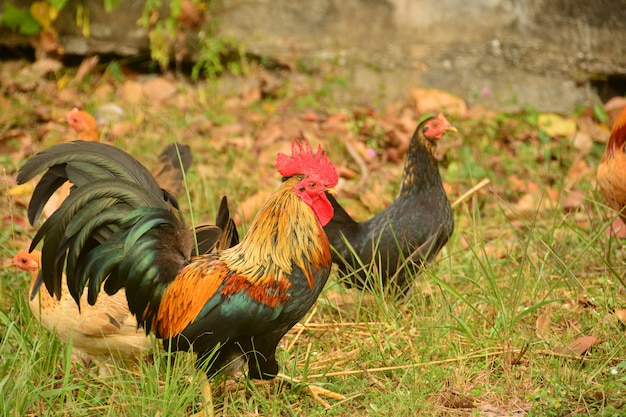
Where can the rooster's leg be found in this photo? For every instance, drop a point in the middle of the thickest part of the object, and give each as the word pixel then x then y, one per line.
pixel 206 409
pixel 313 391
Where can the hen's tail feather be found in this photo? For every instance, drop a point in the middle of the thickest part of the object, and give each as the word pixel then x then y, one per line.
pixel 230 236
pixel 207 237
pixel 170 155
pixel 219 237
pixel 168 172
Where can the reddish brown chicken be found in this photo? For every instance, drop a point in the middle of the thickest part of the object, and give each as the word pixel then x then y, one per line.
pixel 83 124
pixel 611 174
pixel 118 229
pixel 173 161
pixel 407 233
pixel 104 332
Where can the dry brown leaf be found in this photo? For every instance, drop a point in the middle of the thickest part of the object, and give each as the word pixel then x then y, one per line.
pixel 615 104
pixel 532 201
pixel 580 345
pixel 495 250
pixel 347 173
pixel 103 92
pixel 131 92
pixel 621 314
pixel 595 131
pixel 339 299
pixel 121 129
pixel 44 66
pixel 432 100
pixel 478 112
pixel 253 95
pixel 583 142
pixel 555 125
pixel 617 228
pixel 68 95
pixel 542 325
pixel 578 170
pixel 158 89
pixel 573 200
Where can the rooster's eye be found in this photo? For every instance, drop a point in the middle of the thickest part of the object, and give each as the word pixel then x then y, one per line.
pixel 312 185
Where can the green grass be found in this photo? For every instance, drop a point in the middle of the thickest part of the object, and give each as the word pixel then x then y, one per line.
pixel 466 342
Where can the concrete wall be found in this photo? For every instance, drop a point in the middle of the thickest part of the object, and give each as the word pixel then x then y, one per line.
pixel 553 54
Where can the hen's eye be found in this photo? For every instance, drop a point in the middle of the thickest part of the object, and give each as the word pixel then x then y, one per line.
pixel 312 185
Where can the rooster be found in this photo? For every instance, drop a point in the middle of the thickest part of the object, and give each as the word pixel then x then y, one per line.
pixel 118 229
pixel 411 230
pixel 611 169
pixel 102 332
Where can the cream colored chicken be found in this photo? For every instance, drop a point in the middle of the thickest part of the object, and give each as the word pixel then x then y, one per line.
pixel 105 332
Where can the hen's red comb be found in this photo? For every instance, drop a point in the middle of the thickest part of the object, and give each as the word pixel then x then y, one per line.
pixel 303 161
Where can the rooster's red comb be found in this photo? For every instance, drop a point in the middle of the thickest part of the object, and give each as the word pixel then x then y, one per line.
pixel 303 161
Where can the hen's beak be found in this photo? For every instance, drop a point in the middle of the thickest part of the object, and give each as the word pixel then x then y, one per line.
pixel 451 128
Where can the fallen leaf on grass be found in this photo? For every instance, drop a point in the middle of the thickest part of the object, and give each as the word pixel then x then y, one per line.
pixel 595 131
pixel 579 170
pixel 614 105
pixel 131 92
pixel 44 66
pixel 158 89
pixel 578 346
pixel 121 129
pixel 532 202
pixel 432 100
pixel 621 314
pixel 555 125
pixel 617 228
pixel 542 325
pixel 573 200
pixel 582 142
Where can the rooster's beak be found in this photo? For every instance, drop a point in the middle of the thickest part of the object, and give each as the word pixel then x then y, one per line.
pixel 331 191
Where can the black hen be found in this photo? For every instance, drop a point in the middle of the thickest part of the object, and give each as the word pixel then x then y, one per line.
pixel 406 234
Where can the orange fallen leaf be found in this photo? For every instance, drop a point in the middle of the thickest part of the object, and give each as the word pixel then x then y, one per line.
pixel 131 92
pixel 621 314
pixel 432 100
pixel 573 200
pixel 579 346
pixel 158 89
